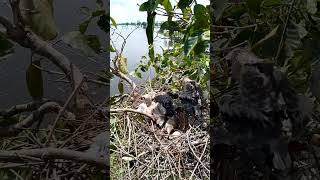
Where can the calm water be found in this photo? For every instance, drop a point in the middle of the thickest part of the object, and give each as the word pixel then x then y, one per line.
pixel 136 47
pixel 13 89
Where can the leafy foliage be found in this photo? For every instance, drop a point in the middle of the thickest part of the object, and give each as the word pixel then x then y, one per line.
pixel 189 39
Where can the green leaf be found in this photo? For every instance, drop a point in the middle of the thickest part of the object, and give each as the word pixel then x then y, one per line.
pixel 85 10
pixel 138 74
pixel 79 41
pixel 111 48
pixel 167 6
pixel 219 7
pixel 190 44
pixel 150 26
pixel 170 26
pixel 149 5
pixel 104 23
pixel 34 81
pixel 182 4
pixel 311 6
pixel 98 13
pixel 114 23
pixel 201 15
pixel 94 42
pixel 84 26
pixel 120 87
pixel 38 15
pixel 122 64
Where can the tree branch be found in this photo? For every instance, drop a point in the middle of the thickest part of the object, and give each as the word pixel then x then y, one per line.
pixel 15 129
pixel 53 153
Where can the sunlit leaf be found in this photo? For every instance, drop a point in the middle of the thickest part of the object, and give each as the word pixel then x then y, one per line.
pixel 168 7
pixel 122 64
pixel 111 48
pixel 114 23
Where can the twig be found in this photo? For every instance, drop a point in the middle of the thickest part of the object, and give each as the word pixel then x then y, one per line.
pixel 53 153
pixel 62 111
pixel 131 110
pixel 12 130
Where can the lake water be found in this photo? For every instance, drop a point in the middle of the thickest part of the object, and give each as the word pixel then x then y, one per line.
pixel 13 89
pixel 136 47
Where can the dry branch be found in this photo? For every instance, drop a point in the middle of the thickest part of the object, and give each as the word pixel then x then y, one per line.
pixel 52 153
pixel 15 129
pixel 17 109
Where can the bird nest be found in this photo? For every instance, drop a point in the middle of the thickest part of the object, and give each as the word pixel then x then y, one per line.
pixel 141 149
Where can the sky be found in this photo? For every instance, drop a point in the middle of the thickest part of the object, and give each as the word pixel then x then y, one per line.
pixel 128 10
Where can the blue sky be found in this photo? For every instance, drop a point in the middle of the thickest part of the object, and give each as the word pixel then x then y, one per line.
pixel 128 10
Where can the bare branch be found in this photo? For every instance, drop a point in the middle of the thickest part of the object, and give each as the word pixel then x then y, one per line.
pixel 53 153
pixel 132 110
pixel 17 109
pixel 15 129
pixel 61 111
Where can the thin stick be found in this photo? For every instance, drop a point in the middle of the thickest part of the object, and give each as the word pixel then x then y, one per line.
pixel 62 111
pixel 131 110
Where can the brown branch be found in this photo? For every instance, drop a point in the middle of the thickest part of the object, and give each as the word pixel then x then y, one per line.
pixel 53 153
pixel 61 112
pixel 15 129
pixel 17 109
pixel 132 110
pixel 124 77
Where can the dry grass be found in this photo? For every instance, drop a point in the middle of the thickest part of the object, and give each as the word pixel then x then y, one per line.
pixel 70 134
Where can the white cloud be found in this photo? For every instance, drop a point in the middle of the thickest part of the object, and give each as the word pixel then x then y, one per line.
pixel 128 10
